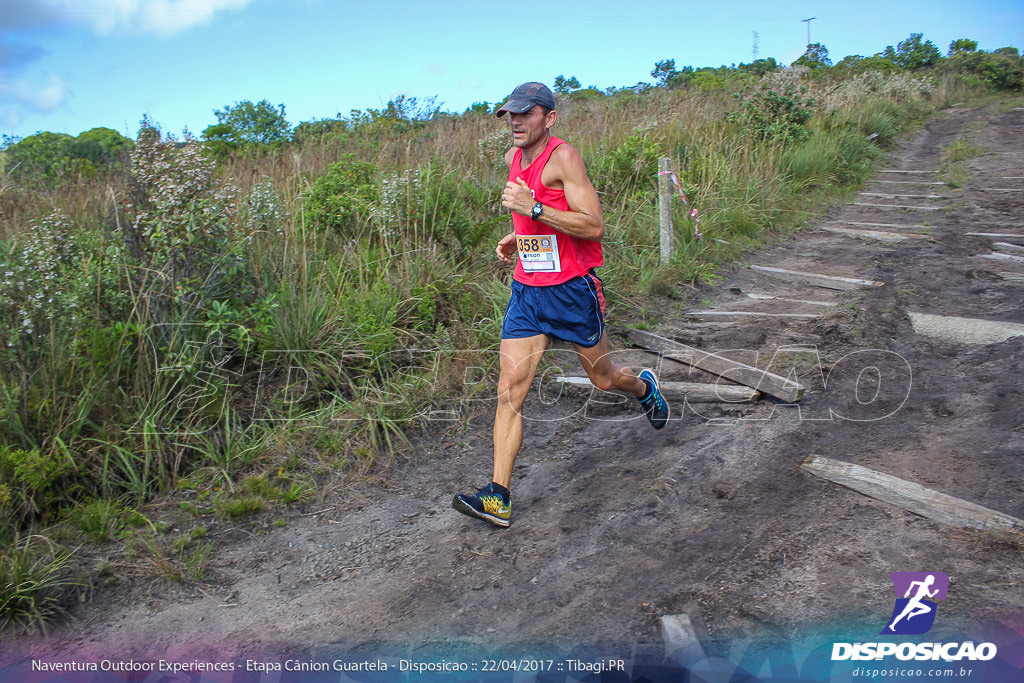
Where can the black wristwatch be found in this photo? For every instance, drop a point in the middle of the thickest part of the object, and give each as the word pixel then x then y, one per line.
pixel 537 210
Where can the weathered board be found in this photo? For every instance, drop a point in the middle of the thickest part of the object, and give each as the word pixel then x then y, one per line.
pixel 912 497
pixel 878 235
pixel 816 279
pixel 766 382
pixel 698 392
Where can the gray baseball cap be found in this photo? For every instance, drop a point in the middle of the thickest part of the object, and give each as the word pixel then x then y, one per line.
pixel 525 96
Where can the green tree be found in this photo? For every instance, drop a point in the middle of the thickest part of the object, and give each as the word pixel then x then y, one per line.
pixel 815 57
pixel 666 74
pixel 759 67
pixel 221 139
pixel 479 108
pixel 914 53
pixel 245 123
pixel 962 45
pixel 318 131
pixel 40 156
pixel 101 146
pixel 995 70
pixel 564 86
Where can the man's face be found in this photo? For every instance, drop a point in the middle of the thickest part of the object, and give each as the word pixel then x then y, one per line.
pixel 530 126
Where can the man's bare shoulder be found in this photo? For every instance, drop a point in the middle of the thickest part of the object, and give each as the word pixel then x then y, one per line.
pixel 566 152
pixel 567 162
pixel 509 155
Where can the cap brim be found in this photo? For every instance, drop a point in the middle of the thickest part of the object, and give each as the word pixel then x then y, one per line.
pixel 516 107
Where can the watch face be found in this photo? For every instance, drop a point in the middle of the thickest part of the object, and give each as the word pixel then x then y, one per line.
pixel 538 208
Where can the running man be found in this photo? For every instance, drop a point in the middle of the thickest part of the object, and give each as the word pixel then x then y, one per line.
pixel 557 233
pixel 915 607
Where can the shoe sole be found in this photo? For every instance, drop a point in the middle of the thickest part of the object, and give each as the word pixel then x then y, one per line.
pixel 470 511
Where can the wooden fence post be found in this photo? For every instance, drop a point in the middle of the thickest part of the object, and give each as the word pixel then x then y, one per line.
pixel 665 209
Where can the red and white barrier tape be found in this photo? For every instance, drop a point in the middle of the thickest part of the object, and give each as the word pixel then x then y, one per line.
pixel 693 212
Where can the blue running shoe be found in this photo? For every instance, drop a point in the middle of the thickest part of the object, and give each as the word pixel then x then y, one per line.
pixel 653 403
pixel 492 503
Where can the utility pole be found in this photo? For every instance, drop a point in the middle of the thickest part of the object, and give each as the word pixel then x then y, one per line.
pixel 808 22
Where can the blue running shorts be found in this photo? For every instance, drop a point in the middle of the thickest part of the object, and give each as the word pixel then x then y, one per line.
pixel 572 311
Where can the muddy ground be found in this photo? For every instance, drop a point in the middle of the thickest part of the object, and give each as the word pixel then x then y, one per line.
pixel 616 525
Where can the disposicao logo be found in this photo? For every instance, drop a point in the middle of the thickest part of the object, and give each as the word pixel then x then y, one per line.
pixel 917 598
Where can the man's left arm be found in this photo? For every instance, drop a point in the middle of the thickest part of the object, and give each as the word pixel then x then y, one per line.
pixel 583 219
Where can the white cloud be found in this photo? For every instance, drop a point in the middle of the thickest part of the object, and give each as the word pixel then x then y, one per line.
pixel 21 97
pixel 162 17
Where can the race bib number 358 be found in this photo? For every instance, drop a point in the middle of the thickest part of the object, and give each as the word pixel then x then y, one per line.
pixel 539 253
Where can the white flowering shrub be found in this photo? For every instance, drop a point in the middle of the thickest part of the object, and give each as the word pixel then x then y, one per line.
pixel 399 196
pixel 263 210
pixel 429 206
pixel 181 227
pixel 493 147
pixel 38 281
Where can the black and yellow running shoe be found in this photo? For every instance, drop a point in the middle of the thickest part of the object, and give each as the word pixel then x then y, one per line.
pixel 492 503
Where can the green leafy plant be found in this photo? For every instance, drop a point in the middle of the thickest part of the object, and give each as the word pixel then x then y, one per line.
pixel 33 582
pixel 776 114
pixel 99 520
pixel 341 199
pixel 248 123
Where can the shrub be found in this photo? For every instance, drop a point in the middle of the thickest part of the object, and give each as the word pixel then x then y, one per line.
pixel 342 198
pixel 777 114
pixel 995 71
pixel 431 203
pixel 33 581
pixel 631 166
pixel 180 235
pixel 32 484
pixel 49 157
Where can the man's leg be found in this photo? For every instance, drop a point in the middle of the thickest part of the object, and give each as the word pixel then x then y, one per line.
pixel 609 376
pixel 606 375
pixel 519 361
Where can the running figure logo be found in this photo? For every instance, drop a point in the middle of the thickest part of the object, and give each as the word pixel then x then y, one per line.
pixel 917 596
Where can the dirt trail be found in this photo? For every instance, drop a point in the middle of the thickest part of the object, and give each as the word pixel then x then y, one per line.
pixel 616 525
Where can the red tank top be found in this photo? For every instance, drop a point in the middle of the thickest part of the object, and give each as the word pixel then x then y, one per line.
pixel 546 255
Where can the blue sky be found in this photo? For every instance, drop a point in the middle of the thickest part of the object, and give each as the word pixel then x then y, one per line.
pixel 71 65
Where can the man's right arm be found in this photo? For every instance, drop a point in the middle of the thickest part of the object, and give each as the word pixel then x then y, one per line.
pixel 507 247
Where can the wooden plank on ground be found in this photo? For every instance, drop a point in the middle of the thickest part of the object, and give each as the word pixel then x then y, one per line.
pixel 766 382
pixel 817 279
pixel 901 226
pixel 695 392
pixel 898 206
pixel 1004 257
pixel 772 297
pixel 1008 247
pixel 878 235
pixel 909 182
pixel 682 645
pixel 915 498
pixel 732 315
pixel 964 330
pixel 1006 236
pixel 882 195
